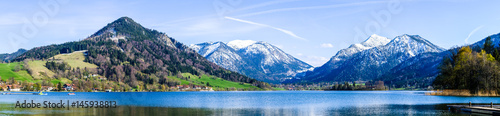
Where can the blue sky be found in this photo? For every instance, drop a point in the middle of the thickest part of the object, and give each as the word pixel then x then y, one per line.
pixel 312 31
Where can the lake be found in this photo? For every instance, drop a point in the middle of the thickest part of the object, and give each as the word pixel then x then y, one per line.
pixel 247 103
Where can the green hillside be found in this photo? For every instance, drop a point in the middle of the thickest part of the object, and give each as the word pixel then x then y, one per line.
pixel 215 82
pixel 7 72
pixel 75 59
pixel 39 71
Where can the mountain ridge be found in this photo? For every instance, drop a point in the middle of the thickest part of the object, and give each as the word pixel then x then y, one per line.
pixel 372 63
pixel 256 59
pixel 7 57
pixel 134 56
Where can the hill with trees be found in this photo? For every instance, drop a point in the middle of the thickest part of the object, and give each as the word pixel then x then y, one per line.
pixel 130 56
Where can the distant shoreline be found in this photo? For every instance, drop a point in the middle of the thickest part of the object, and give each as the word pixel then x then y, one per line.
pixel 182 91
pixel 464 93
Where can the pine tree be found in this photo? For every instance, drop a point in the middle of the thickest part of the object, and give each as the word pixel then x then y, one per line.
pixel 354 84
pixel 496 54
pixel 488 45
pixel 59 86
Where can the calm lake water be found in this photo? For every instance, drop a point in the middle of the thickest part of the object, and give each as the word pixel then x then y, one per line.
pixel 248 103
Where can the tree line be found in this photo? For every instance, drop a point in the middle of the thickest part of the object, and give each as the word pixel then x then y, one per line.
pixel 473 68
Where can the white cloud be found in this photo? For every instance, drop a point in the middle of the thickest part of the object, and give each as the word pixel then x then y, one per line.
pixel 264 25
pixel 315 61
pixel 326 45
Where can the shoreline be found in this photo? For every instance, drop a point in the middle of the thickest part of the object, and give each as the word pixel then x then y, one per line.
pixel 196 91
pixel 462 93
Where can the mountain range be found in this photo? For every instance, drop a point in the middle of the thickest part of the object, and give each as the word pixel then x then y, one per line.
pixel 257 59
pixel 149 57
pixel 421 70
pixel 8 57
pixel 134 56
pixel 373 58
pixel 406 60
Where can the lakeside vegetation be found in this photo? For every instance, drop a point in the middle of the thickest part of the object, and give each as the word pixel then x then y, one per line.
pixel 49 73
pixel 334 86
pixel 59 69
pixel 462 92
pixel 474 69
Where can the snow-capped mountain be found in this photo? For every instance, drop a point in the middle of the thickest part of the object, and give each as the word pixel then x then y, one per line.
pixel 239 44
pixel 422 69
pixel 371 63
pixel 220 53
pixel 495 39
pixel 373 41
pixel 344 54
pixel 259 60
pixel 419 71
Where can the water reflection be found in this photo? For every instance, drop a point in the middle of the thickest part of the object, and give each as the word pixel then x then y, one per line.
pixel 8 109
pixel 249 103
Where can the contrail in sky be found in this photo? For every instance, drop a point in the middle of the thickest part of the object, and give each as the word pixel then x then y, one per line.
pixel 263 5
pixel 472 32
pixel 264 25
pixel 311 7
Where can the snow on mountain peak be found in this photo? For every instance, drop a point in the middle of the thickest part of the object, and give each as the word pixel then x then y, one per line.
pixel 195 47
pixel 256 59
pixel 272 54
pixel 206 48
pixel 372 41
pixel 238 44
pixel 409 39
pixel 375 40
pixel 406 37
pixel 357 64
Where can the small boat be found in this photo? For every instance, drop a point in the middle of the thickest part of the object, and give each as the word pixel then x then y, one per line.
pixel 41 93
pixel 71 94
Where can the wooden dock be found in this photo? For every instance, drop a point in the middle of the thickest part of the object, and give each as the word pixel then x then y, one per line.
pixel 481 109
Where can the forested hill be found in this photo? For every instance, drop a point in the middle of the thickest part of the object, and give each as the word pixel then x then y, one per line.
pixel 126 52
